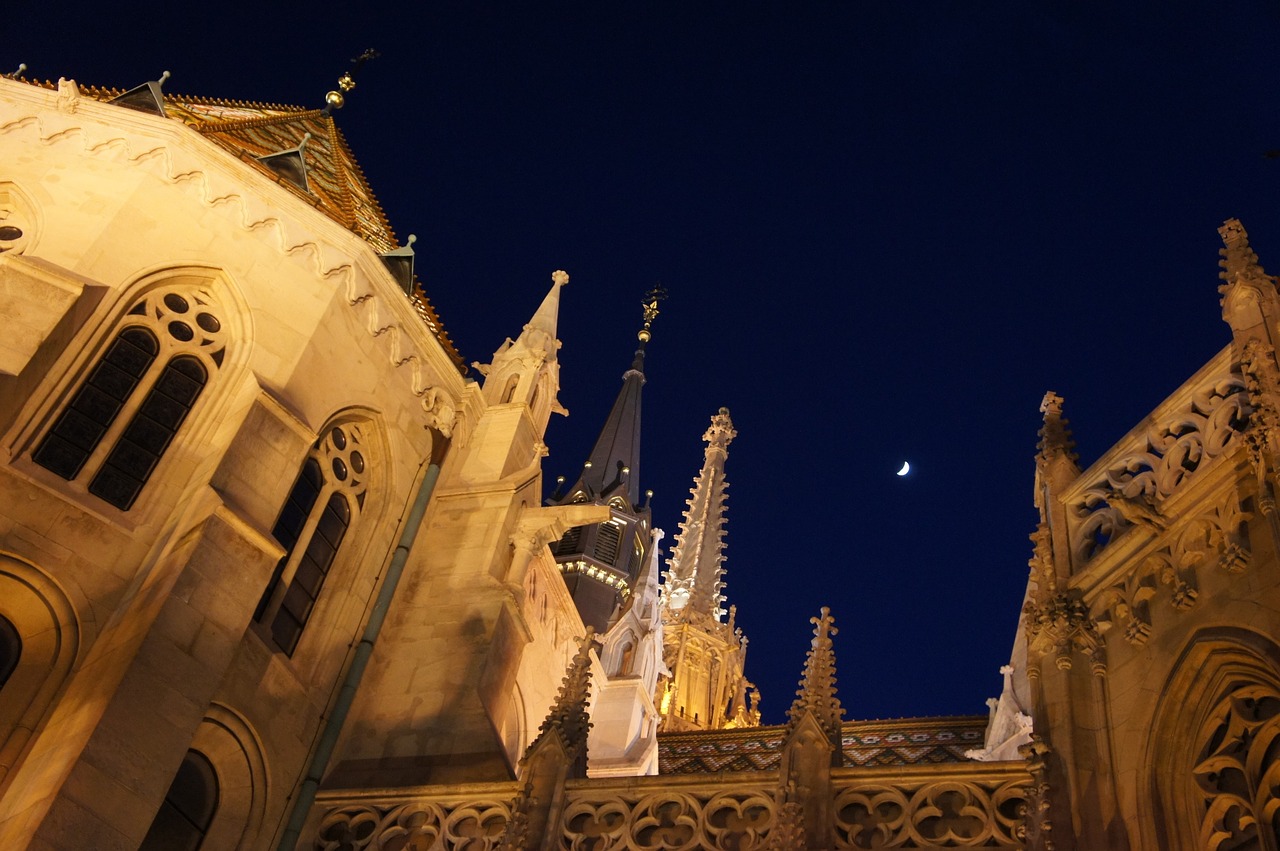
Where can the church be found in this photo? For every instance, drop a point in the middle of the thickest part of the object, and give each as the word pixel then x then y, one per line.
pixel 278 569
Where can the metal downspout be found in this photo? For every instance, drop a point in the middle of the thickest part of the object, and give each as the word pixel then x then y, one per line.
pixel 360 661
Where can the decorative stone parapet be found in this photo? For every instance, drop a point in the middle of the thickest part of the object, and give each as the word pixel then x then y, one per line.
pixel 918 806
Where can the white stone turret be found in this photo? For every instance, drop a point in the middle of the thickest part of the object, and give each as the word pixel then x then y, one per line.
pixel 624 741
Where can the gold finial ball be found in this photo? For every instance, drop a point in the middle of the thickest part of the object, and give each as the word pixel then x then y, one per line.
pixel 334 99
pixel 644 336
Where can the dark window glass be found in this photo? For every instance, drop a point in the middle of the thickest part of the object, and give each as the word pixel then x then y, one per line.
pixel 136 453
pixel 188 808
pixel 293 517
pixel 309 577
pixel 95 406
pixel 10 649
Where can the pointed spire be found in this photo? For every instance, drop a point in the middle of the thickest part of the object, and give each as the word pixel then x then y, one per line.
pixel 614 462
pixel 817 692
pixel 694 580
pixel 568 718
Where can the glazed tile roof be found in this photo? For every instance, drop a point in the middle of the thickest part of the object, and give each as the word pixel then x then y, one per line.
pixel 336 185
pixel 902 741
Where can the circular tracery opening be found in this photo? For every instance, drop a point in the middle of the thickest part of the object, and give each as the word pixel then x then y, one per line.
pixel 9 233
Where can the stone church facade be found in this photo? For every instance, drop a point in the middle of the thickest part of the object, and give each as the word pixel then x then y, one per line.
pixel 275 573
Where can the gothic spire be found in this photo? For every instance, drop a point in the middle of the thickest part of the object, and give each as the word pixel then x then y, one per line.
pixel 694 579
pixel 614 462
pixel 817 692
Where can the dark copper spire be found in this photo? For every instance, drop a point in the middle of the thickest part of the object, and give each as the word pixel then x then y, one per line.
pixel 614 462
pixel 602 563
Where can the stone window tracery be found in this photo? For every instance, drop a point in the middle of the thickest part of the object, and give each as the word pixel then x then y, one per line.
pixel 1237 771
pixel 135 398
pixel 322 506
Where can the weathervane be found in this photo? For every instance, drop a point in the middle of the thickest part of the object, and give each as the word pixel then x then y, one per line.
pixel 336 98
pixel 650 305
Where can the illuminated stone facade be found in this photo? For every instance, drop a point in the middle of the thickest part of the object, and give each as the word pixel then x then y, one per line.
pixel 260 532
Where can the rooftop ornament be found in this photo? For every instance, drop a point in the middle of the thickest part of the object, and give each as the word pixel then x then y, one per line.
pixel 337 98
pixel 22 66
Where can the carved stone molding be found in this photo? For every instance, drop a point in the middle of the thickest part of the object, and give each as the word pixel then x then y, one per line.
pixel 1061 626
pixel 1213 540
pixel 1037 831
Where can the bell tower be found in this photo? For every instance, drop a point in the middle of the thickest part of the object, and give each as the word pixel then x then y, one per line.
pixel 602 562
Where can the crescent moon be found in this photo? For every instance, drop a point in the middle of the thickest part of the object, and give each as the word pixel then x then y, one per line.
pixel 906 468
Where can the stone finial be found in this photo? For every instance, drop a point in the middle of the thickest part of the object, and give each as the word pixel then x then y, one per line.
pixel 1239 262
pixel 1055 434
pixel 560 277
pixel 817 692
pixel 568 718
pixel 721 431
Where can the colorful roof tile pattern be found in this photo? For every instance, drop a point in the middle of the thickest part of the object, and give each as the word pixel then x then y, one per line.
pixel 902 741
pixel 335 183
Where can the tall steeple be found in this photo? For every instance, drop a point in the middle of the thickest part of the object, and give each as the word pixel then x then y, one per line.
pixel 707 689
pixel 693 583
pixel 601 563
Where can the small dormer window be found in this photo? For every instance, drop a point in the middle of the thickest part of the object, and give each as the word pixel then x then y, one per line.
pixel 290 165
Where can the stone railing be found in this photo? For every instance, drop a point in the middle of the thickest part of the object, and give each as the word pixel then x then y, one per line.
pixel 974 805
pixel 471 817
pixel 961 806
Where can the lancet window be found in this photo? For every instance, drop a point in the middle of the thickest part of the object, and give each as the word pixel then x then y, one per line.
pixel 10 649
pixel 188 808
pixel 321 508
pixel 127 411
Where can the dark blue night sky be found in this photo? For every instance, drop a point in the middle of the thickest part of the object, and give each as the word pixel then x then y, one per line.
pixel 887 230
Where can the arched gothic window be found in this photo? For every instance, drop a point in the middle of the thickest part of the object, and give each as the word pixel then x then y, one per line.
pixel 509 392
pixel 188 808
pixel 127 411
pixel 321 507
pixel 10 649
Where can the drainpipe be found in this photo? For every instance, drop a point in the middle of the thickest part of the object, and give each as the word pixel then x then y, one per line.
pixel 364 650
